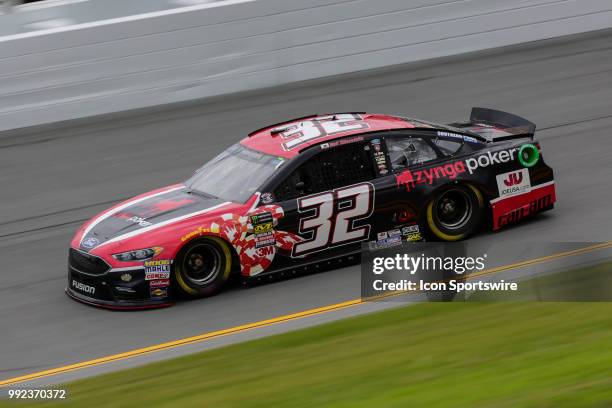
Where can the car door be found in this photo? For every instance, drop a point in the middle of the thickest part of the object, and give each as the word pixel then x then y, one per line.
pixel 328 201
pixel 399 195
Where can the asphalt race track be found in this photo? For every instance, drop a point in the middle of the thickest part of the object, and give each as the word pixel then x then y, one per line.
pixel 52 178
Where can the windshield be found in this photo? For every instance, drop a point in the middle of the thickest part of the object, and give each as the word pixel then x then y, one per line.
pixel 235 174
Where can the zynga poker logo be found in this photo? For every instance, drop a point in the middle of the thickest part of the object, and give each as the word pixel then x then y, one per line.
pixel 490 159
pixel 409 179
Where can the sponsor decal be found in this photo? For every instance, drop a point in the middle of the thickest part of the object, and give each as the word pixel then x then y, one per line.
pixel 395 233
pixel 410 229
pixel 83 287
pixel 264 240
pixel 409 179
pixel 382 235
pixel 450 134
pixel 385 243
pixel 526 210
pixel 267 198
pixel 159 293
pixel 262 218
pixel 267 250
pixel 159 283
pixel 124 289
pixel 490 159
pixel 470 139
pixel 90 242
pixel 156 275
pixel 158 265
pixel 159 269
pixel 414 237
pixel 513 183
pixel 199 232
pixel 263 229
pixel 126 277
pixel 379 157
pixel 342 142
pixel 140 221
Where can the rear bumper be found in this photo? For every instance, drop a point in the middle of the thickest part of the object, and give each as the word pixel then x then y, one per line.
pixel 515 208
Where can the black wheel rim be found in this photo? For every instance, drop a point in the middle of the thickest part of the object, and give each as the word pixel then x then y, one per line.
pixel 202 264
pixel 454 209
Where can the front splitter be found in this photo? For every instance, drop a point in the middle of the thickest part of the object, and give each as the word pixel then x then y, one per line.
pixel 105 304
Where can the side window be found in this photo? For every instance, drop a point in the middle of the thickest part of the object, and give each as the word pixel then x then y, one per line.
pixel 328 170
pixel 448 147
pixel 405 152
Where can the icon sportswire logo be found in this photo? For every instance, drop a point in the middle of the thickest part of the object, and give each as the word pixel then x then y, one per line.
pixel 513 183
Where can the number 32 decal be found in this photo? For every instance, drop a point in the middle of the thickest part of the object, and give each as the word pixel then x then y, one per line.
pixel 333 218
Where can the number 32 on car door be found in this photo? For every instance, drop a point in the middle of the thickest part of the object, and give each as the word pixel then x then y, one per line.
pixel 332 218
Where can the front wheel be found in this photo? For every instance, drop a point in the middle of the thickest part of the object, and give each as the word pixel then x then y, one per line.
pixel 203 267
pixel 455 213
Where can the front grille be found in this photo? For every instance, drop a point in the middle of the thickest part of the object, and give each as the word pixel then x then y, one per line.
pixel 88 264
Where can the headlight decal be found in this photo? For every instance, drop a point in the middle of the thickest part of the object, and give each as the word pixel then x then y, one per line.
pixel 138 254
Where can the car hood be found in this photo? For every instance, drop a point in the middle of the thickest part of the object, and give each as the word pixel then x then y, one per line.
pixel 144 213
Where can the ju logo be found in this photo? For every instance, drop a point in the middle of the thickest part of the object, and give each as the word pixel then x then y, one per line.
pixel 514 179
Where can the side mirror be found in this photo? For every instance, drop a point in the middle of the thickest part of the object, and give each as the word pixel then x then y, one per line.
pixel 299 186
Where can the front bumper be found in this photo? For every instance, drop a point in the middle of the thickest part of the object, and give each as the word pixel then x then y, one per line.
pixel 115 305
pixel 113 289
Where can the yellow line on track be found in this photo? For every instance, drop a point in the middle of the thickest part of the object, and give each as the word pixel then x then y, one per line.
pixel 268 322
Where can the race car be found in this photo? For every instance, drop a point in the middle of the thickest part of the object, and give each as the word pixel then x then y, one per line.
pixel 308 192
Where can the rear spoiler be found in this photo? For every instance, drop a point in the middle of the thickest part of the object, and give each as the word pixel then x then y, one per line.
pixel 496 125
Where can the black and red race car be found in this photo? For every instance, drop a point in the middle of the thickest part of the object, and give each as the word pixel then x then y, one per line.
pixel 308 191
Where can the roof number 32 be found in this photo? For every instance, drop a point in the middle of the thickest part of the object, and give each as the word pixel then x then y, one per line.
pixel 307 130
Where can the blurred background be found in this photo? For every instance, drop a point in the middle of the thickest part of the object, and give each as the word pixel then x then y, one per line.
pixel 70 59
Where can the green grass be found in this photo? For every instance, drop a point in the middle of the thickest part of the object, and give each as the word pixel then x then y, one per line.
pixel 508 354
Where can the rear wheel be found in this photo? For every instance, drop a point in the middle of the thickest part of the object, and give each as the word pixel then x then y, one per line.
pixel 455 213
pixel 203 267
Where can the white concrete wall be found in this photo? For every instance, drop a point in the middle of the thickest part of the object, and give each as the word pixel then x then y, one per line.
pixel 235 45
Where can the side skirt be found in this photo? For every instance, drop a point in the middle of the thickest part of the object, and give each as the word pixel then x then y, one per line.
pixel 303 269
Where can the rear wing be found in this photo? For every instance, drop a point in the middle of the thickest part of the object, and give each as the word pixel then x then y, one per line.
pixel 496 125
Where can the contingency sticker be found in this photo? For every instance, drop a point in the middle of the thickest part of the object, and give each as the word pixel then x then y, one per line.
pixel 263 229
pixel 159 269
pixel 159 293
pixel 379 157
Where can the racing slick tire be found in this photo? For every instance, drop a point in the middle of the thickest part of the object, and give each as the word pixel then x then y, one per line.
pixel 202 267
pixel 455 212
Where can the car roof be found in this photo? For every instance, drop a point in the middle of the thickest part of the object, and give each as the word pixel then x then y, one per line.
pixel 288 139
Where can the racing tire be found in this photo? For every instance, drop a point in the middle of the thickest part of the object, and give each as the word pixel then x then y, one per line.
pixel 455 212
pixel 203 267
